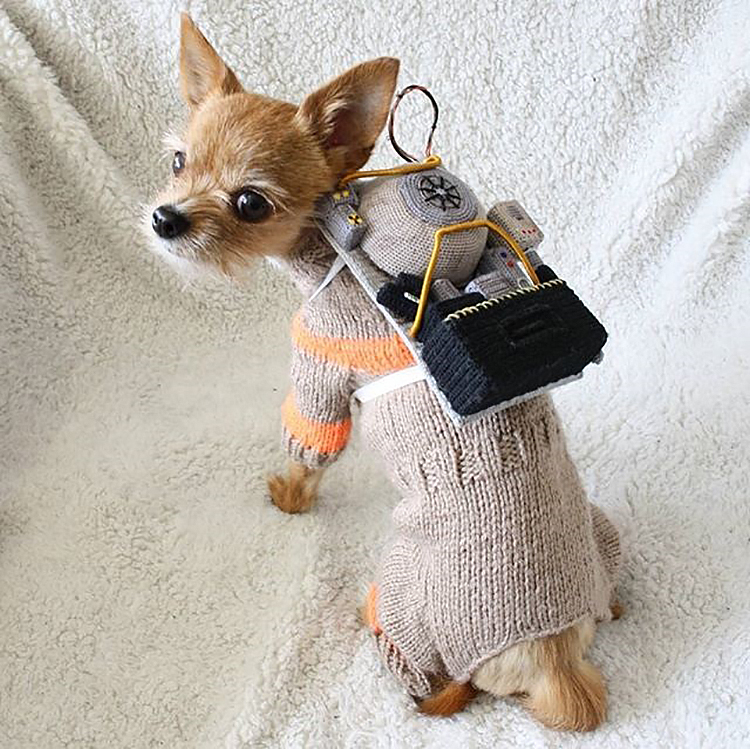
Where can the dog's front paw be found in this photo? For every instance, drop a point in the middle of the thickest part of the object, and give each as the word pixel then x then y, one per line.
pixel 296 492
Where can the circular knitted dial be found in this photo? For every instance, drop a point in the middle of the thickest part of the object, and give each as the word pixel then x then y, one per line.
pixel 400 240
pixel 438 198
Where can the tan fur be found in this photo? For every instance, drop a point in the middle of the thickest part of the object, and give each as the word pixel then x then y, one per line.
pixel 558 685
pixel 202 71
pixel 349 113
pixel 448 700
pixel 237 140
pixel 297 491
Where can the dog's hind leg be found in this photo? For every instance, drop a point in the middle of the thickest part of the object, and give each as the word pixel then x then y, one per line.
pixel 554 680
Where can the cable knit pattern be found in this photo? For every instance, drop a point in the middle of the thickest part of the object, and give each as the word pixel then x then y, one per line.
pixel 495 540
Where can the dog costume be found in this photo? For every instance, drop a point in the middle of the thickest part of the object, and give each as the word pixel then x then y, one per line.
pixel 495 542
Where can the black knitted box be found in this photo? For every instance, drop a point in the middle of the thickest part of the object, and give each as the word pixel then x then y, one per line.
pixel 484 354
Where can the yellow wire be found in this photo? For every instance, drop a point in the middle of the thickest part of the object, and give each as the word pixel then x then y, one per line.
pixel 429 163
pixel 480 222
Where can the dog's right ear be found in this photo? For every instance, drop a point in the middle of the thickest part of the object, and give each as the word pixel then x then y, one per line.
pixel 202 72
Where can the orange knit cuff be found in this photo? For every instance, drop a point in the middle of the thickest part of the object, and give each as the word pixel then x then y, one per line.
pixel 321 436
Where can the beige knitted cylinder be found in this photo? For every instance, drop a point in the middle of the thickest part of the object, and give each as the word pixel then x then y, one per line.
pixel 401 220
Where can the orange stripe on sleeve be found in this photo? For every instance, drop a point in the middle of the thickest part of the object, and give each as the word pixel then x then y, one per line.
pixel 371 610
pixel 324 437
pixel 371 355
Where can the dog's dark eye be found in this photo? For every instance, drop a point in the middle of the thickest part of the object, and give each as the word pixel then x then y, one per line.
pixel 178 162
pixel 252 206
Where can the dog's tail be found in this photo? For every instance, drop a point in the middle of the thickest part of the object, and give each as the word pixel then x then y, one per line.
pixel 452 698
pixel 571 698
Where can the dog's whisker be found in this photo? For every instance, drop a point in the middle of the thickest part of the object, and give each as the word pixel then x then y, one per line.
pixel 172 142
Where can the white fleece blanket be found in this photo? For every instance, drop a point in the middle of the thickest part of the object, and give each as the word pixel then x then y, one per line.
pixel 150 595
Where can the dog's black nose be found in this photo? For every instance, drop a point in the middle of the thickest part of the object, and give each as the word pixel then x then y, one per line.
pixel 169 223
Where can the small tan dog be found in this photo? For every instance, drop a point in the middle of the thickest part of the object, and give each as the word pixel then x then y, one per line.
pixel 247 174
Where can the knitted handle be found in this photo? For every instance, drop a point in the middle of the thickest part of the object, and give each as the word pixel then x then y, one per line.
pixel 439 234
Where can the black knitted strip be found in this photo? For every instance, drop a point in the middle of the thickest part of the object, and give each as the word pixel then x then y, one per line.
pixel 500 349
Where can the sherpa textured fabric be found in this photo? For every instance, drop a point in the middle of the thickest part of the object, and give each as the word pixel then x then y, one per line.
pixel 150 595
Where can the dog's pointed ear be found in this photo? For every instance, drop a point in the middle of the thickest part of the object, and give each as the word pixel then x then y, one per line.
pixel 202 72
pixel 347 114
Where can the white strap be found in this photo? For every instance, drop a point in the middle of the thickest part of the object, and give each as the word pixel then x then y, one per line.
pixel 388 383
pixel 336 267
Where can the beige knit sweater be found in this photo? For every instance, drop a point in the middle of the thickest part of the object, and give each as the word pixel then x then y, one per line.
pixel 495 540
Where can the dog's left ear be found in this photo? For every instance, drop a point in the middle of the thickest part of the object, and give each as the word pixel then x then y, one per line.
pixel 347 114
pixel 202 72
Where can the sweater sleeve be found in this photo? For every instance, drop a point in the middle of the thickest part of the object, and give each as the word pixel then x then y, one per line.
pixel 315 415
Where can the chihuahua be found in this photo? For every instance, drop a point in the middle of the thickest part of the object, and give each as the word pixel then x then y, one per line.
pixel 246 177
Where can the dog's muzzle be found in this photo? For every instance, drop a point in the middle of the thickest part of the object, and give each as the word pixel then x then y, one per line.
pixel 169 223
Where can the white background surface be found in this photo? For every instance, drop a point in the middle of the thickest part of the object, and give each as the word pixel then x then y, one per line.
pixel 149 593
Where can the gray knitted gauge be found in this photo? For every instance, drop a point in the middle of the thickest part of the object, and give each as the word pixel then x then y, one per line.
pixel 438 198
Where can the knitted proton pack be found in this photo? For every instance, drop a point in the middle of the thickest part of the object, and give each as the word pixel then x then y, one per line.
pixel 488 322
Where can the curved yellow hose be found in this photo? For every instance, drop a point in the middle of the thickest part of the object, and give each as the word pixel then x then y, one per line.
pixel 439 234
pixel 429 163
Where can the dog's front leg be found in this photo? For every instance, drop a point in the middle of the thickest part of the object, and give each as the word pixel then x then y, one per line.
pixel 297 490
pixel 315 417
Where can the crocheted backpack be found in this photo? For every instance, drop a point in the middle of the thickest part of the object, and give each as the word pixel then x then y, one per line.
pixel 488 322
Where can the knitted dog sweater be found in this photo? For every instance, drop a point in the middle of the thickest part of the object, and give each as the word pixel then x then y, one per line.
pixel 495 540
